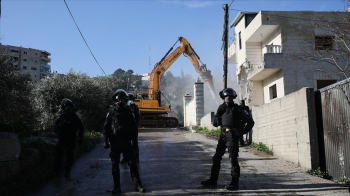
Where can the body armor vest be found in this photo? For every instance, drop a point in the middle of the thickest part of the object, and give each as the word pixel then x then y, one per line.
pixel 229 118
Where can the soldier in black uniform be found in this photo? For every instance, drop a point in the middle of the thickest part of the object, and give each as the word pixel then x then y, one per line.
pixel 137 115
pixel 66 126
pixel 246 108
pixel 229 116
pixel 118 131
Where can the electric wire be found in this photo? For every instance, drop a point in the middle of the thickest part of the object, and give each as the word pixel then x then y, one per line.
pixel 230 4
pixel 84 38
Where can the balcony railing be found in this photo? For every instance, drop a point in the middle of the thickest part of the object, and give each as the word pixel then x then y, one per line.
pixel 46 64
pixel 272 49
pixel 45 58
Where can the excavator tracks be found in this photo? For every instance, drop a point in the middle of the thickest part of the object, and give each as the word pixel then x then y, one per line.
pixel 154 121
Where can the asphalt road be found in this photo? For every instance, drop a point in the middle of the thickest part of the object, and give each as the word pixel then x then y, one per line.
pixel 173 162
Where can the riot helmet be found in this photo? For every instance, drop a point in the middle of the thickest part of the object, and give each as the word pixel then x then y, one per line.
pixel 119 94
pixel 131 96
pixel 228 92
pixel 66 102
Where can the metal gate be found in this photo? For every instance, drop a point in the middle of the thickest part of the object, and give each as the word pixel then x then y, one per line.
pixel 334 104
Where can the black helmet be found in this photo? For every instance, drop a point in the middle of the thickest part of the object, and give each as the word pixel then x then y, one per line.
pixel 119 94
pixel 131 96
pixel 228 92
pixel 66 102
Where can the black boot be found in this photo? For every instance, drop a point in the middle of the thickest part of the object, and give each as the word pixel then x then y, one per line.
pixel 140 189
pixel 116 190
pixel 233 185
pixel 209 182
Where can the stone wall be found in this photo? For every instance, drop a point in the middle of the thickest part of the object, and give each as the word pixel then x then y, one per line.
pixel 284 125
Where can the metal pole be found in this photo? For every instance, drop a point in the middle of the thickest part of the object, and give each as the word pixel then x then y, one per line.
pixel 225 41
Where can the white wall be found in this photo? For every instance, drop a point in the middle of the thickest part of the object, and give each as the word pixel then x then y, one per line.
pixel 277 79
pixel 283 126
pixel 191 113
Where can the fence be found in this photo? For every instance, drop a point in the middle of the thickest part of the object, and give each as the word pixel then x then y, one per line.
pixel 333 102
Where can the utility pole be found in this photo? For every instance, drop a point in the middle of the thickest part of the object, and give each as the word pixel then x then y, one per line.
pixel 225 41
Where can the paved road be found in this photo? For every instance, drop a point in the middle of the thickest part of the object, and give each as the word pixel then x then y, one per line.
pixel 173 162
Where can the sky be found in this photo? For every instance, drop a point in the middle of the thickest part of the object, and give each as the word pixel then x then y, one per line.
pixel 131 34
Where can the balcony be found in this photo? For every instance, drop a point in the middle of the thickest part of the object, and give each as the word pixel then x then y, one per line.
pixel 45 64
pixel 272 49
pixel 262 71
pixel 44 58
pixel 257 31
pixel 232 59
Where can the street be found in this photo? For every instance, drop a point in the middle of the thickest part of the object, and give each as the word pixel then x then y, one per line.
pixel 173 162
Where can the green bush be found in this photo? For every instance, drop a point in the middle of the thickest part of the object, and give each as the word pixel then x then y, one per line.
pixel 262 147
pixel 317 172
pixel 204 130
pixel 29 181
pixel 343 180
pixel 17 114
pixel 90 96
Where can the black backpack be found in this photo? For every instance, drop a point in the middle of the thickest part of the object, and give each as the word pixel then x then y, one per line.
pixel 66 125
pixel 120 124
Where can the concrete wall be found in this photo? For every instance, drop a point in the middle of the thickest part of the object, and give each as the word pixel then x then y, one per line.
pixel 275 79
pixel 284 126
pixel 191 113
pixel 207 120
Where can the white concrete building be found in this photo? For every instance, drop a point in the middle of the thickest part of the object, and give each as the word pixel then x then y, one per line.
pixel 29 60
pixel 265 49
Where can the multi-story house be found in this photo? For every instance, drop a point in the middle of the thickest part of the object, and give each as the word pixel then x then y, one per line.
pixel 268 50
pixel 29 60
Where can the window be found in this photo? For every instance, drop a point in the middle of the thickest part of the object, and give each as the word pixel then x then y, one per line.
pixel 25 52
pixel 24 67
pixel 324 83
pixel 15 58
pixel 14 50
pixel 36 61
pixel 36 53
pixel 273 92
pixel 240 42
pixel 25 60
pixel 33 68
pixel 323 43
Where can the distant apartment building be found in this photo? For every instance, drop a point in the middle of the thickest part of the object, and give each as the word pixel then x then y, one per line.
pixel 29 60
pixel 265 48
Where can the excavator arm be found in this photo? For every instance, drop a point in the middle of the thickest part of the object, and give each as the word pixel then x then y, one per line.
pixel 164 64
pixel 150 108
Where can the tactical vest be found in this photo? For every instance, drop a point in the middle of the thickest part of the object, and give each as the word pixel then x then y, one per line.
pixel 229 118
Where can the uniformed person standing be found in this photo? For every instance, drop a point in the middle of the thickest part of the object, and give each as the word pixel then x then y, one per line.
pixel 136 112
pixel 246 108
pixel 118 131
pixel 229 116
pixel 66 126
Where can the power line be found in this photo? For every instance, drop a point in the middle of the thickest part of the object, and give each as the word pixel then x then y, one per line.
pixel 230 4
pixel 84 38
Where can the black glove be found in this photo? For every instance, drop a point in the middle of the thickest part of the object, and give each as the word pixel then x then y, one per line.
pixel 106 145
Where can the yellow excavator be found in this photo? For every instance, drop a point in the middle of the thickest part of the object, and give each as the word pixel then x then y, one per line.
pixel 152 114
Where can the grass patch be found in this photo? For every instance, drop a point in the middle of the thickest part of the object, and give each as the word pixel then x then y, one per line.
pixel 344 181
pixel 210 132
pixel 28 181
pixel 317 172
pixel 262 147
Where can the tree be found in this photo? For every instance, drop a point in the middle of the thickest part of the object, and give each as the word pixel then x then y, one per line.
pixel 17 114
